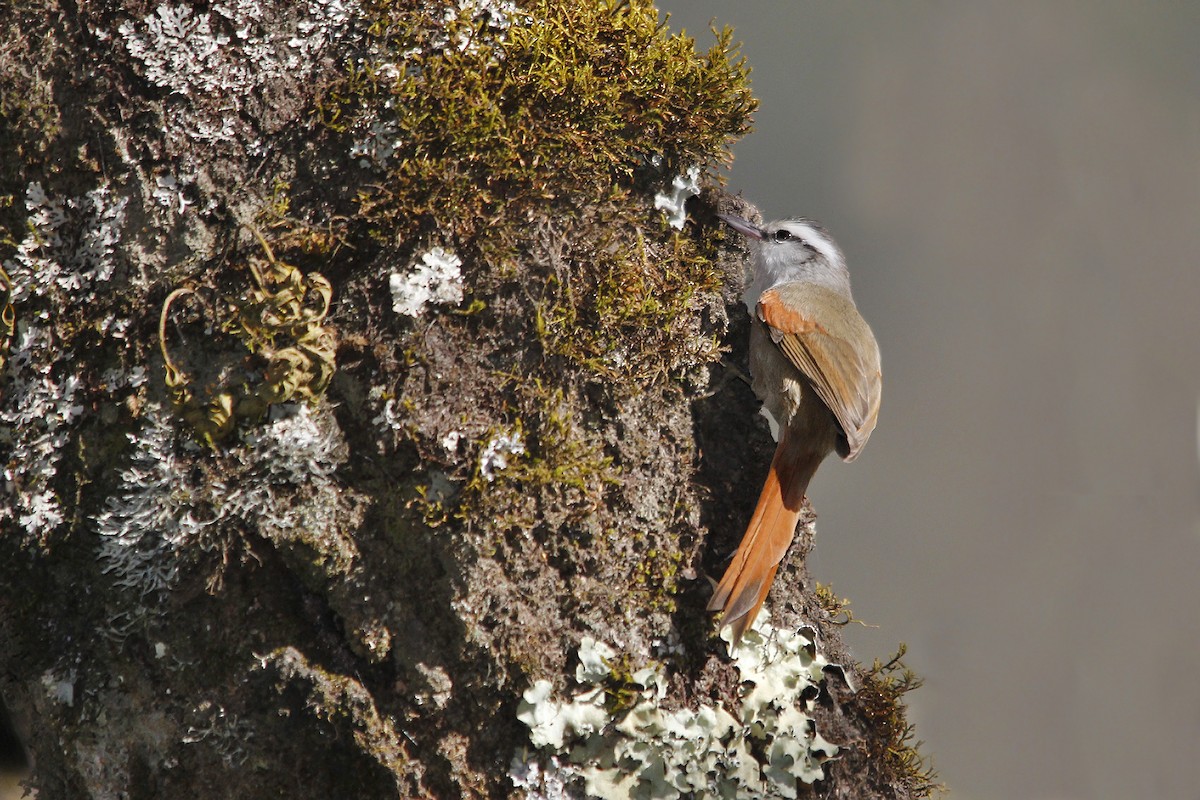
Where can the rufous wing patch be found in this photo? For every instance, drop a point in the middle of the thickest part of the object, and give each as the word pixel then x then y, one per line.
pixel 783 318
pixel 837 372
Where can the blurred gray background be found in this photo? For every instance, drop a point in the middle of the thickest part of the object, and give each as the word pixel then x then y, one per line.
pixel 1017 188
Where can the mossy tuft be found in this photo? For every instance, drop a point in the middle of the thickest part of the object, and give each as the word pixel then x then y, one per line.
pixel 582 102
pixel 895 749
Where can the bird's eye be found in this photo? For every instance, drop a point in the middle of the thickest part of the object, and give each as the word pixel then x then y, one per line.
pixel 782 235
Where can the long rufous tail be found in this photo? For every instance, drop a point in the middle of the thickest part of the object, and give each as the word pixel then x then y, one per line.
pixel 749 575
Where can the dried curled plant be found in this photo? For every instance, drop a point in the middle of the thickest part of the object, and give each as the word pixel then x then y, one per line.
pixel 277 348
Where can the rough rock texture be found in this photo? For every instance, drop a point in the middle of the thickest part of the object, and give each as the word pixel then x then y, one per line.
pixel 263 533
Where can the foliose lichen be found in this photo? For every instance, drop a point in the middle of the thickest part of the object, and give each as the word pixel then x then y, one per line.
pixel 496 452
pixel 229 51
pixel 641 749
pixel 435 278
pixel 675 202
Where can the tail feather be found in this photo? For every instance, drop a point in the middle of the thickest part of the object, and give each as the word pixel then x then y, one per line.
pixel 747 580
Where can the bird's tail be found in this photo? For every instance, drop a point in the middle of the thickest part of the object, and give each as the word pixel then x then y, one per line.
pixel 749 575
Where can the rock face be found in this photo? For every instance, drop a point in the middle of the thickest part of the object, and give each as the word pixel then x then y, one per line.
pixel 359 366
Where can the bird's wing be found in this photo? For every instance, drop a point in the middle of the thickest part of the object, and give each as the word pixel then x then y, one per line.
pixel 823 335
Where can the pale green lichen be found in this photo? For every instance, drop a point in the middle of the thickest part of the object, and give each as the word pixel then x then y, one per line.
pixel 646 751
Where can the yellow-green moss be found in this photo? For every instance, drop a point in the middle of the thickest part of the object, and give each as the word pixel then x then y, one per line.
pixel 571 107
pixel 655 579
pixel 622 690
pixel 544 147
pixel 626 308
pixel 895 749
pixel 563 465
pixel 838 608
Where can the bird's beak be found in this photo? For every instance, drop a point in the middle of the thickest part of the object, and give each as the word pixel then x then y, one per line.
pixel 741 226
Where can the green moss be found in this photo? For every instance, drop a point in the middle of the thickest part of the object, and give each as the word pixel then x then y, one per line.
pixel 622 688
pixel 626 309
pixel 572 105
pixel 560 454
pixel 895 749
pixel 655 579
pixel 544 147
pixel 563 473
pixel 838 608
pixel 296 237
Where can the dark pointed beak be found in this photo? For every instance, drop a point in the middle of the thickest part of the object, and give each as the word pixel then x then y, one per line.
pixel 741 226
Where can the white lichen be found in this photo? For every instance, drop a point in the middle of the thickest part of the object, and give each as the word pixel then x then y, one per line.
pixel 675 201
pixel 238 47
pixel 436 278
pixel 377 142
pixel 69 249
pixel 294 448
pixel 647 751
pixel 36 420
pixel 149 519
pixel 224 732
pixel 162 512
pixel 471 25
pixel 171 192
pixel 496 452
pixel 60 688
pixel 451 441
pixel 180 51
pixel 71 245
pixel 388 418
pixel 535 783
pixel 235 51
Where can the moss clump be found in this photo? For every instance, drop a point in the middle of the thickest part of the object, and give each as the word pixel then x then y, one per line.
pixel 543 144
pixel 562 457
pixel 895 749
pixel 561 478
pixel 575 101
pixel 837 608
pixel 655 579
pixel 630 319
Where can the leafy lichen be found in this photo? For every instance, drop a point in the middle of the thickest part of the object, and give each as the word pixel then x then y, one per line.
pixel 617 739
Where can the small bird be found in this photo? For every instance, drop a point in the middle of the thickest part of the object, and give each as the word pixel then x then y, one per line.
pixel 814 364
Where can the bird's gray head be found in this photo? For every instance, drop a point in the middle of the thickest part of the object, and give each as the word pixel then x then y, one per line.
pixel 795 249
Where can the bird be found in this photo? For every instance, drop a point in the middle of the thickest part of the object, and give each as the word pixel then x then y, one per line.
pixel 814 364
